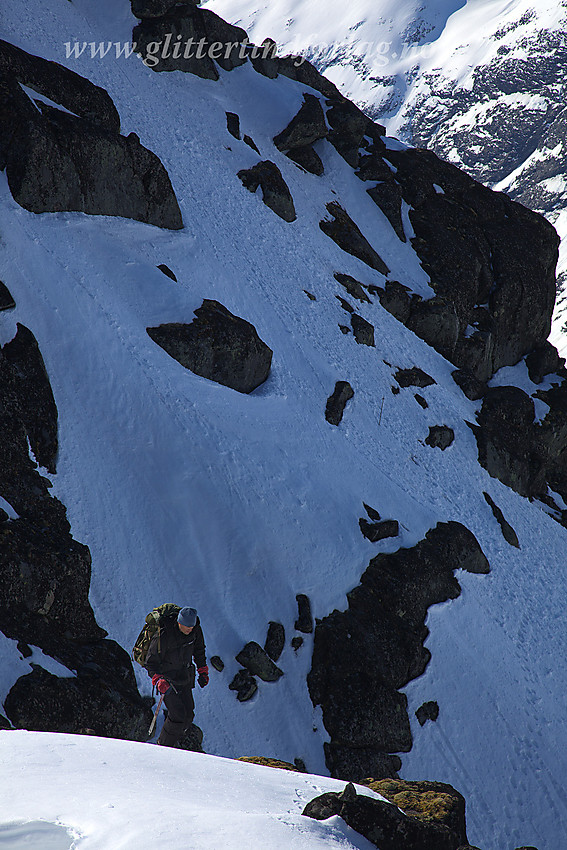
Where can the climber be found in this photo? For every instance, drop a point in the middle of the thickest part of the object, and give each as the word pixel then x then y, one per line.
pixel 169 662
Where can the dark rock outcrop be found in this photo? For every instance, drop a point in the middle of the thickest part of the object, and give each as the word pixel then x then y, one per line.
pixel 6 300
pixel 364 655
pixel 440 437
pixel 258 662
pixel 383 824
pixel 187 38
pixel 337 402
pixel 543 361
pixel 23 365
pixel 43 702
pixel 57 161
pixel 304 622
pixel 305 128
pixel 347 235
pixel 167 272
pixel 375 531
pixel 219 346
pixel 153 8
pixel 244 684
pixel 363 331
pixel 233 124
pixel 275 640
pixel 45 574
pixel 479 247
pixel 471 386
pixel 59 84
pixel 436 322
pixel 275 191
pixel 427 711
pixel 217 663
pixel 508 532
pixel 354 287
pixel 308 159
pixel 414 377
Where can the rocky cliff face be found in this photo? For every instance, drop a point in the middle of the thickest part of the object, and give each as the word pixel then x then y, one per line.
pixel 491 269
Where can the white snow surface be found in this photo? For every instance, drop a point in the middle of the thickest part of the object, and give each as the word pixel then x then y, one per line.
pixel 188 491
pixel 72 792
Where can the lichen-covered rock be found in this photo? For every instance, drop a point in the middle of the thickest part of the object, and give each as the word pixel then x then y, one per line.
pixel 337 402
pixel 258 662
pixel 275 191
pixel 383 824
pixel 430 802
pixel 342 230
pixel 219 346
pixel 269 762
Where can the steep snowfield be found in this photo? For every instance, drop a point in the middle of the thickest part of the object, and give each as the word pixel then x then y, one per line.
pixel 81 793
pixel 188 491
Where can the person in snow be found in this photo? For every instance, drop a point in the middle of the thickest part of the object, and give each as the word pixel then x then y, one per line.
pixel 169 662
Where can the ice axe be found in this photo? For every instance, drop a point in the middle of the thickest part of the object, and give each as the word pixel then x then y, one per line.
pixel 154 720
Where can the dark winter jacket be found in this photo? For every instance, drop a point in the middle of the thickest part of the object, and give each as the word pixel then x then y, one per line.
pixel 171 654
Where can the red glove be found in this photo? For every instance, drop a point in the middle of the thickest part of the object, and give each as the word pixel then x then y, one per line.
pixel 161 684
pixel 203 676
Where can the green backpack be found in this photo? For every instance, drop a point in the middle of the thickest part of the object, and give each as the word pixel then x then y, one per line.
pixel 154 621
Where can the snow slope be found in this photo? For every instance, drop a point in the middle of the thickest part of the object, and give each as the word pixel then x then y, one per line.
pixel 81 793
pixel 187 491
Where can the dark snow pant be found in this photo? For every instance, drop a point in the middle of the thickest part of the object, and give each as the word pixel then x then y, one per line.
pixel 180 714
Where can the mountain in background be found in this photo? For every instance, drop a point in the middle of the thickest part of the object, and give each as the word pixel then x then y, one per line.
pixel 481 83
pixel 262 358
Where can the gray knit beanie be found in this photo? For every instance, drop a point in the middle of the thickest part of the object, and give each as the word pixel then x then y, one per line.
pixel 187 617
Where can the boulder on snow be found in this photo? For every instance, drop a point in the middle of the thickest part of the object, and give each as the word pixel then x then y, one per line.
pixel 167 272
pixel 363 331
pixel 414 377
pixel 396 300
pixel 304 622
pixel 233 124
pixel 55 82
pixel 258 662
pixel 219 346
pixel 375 531
pixel 342 230
pixel 217 663
pixel 306 127
pixel 383 824
pixel 275 640
pixel 440 437
pixel 244 684
pixel 337 402
pixel 428 711
pixel 275 191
